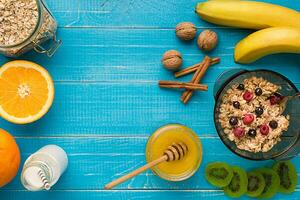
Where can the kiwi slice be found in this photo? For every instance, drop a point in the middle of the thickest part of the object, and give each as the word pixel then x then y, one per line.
pixel 256 184
pixel 238 185
pixel 288 176
pixel 218 174
pixel 272 182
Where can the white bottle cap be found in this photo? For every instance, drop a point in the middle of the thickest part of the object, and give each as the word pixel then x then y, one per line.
pixel 31 176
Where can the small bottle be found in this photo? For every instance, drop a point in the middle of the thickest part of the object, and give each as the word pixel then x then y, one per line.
pixel 43 168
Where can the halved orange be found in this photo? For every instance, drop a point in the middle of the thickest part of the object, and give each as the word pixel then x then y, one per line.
pixel 26 91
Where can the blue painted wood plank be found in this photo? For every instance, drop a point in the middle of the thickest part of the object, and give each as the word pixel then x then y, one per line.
pixel 105 76
pixel 135 56
pixel 126 13
pixel 129 194
pixel 119 109
pixel 95 161
pixel 111 88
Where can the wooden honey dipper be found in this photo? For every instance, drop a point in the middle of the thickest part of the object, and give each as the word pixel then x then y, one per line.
pixel 174 152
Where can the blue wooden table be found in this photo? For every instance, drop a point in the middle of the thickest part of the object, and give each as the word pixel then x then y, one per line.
pixel 107 101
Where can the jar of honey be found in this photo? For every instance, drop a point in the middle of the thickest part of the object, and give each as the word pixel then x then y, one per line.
pixel 167 135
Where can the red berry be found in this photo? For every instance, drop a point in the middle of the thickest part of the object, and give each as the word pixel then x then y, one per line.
pixel 248 96
pixel 275 99
pixel 239 132
pixel 264 129
pixel 248 119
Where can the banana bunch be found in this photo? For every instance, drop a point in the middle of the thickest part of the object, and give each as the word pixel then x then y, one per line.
pixel 280 26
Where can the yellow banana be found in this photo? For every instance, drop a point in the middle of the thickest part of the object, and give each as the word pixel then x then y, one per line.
pixel 267 41
pixel 247 14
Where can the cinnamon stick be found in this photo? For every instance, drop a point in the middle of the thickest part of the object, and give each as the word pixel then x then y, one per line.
pixel 180 85
pixel 185 97
pixel 193 68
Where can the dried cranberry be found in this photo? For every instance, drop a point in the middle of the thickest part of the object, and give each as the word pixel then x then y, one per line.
pixel 248 119
pixel 248 96
pixel 239 132
pixel 275 98
pixel 264 129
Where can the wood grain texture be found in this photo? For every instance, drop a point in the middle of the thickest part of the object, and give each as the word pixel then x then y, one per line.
pixel 95 161
pixel 129 195
pixel 107 101
pixel 119 109
pixel 125 55
pixel 132 13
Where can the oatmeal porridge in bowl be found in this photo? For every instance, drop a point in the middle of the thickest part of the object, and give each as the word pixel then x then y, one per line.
pixel 250 118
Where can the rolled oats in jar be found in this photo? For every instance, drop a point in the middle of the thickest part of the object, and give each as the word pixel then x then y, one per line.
pixel 25 25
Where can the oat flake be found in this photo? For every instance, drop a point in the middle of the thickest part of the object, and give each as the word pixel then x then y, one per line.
pixel 260 143
pixel 18 19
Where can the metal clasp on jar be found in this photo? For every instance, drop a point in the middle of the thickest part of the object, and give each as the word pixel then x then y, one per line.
pixel 52 49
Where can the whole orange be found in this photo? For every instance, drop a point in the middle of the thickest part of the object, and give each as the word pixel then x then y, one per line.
pixel 9 157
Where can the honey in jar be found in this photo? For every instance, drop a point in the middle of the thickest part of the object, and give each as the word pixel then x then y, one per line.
pixel 167 135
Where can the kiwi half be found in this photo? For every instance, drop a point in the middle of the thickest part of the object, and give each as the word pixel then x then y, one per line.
pixel 272 182
pixel 218 174
pixel 256 184
pixel 239 182
pixel 288 176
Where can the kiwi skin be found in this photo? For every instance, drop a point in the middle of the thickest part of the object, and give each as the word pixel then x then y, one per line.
pixel 218 174
pixel 238 185
pixel 256 184
pixel 272 182
pixel 288 176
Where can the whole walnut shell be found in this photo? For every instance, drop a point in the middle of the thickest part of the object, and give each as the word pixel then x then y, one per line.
pixel 172 60
pixel 207 40
pixel 186 31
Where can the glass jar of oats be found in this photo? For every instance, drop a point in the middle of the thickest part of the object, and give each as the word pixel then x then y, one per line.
pixel 25 25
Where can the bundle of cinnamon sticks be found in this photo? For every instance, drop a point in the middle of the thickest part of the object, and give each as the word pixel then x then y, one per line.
pixel 199 70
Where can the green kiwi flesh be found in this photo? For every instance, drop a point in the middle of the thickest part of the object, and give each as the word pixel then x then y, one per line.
pixel 218 174
pixel 256 184
pixel 272 182
pixel 238 185
pixel 288 176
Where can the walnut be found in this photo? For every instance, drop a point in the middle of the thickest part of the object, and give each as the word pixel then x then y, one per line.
pixel 186 31
pixel 172 60
pixel 207 40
